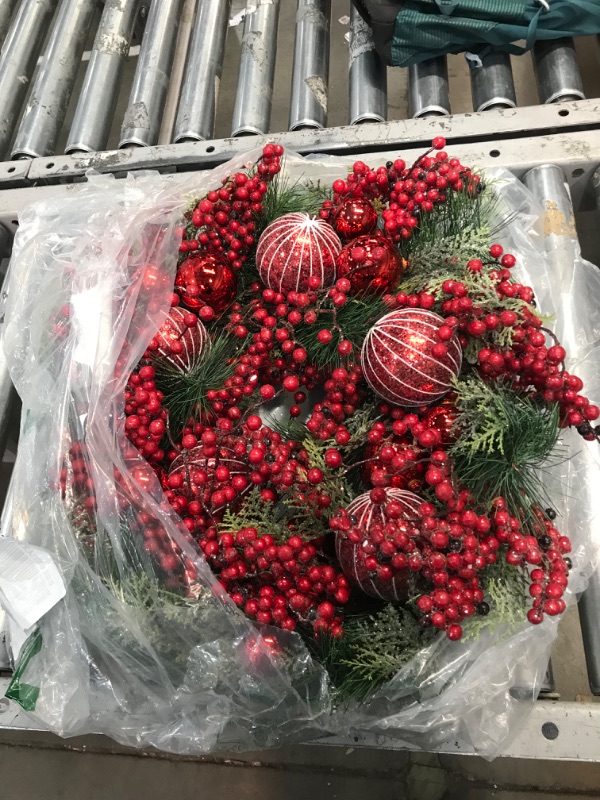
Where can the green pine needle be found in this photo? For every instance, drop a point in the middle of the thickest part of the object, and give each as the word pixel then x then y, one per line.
pixel 185 392
pixel 351 322
pixel 504 439
pixel 284 197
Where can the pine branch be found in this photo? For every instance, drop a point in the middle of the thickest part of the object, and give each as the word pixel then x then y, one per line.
pixel 351 322
pixel 504 439
pixel 185 392
pixel 284 197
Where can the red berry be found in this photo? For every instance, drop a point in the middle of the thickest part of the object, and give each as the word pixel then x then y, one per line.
pixel 454 632
pixel 496 250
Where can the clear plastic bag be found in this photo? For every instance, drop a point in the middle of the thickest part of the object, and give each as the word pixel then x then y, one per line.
pixel 117 656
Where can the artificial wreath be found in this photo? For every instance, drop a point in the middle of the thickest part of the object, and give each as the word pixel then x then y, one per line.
pixel 399 496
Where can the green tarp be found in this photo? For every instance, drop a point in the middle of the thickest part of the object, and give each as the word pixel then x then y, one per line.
pixel 415 30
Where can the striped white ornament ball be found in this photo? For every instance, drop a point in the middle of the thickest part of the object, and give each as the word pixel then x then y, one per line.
pixel 398 362
pixel 182 340
pixel 295 247
pixel 352 555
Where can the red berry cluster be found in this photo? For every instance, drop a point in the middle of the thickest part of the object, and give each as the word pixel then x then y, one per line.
pixel 224 221
pixel 407 191
pixel 145 417
pixel 278 584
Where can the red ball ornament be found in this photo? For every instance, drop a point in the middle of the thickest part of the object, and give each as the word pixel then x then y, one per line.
pixel 354 556
pixel 355 217
pixel 204 279
pixel 371 264
pixel 293 249
pixel 398 363
pixel 442 418
pixel 180 344
pixel 198 473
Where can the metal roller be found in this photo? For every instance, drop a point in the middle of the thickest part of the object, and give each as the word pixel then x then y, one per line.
pixel 556 71
pixel 252 111
pixel 310 76
pixel 367 76
pixel 428 88
pixel 96 107
pixel 19 56
pixel 53 81
pixel 141 124
pixel 203 69
pixel 562 250
pixel 492 84
pixel 98 99
pixel 7 8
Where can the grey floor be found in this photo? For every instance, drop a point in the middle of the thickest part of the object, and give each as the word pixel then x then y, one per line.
pixel 39 767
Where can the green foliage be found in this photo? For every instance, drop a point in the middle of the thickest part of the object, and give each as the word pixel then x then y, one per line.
pixel 284 197
pixel 185 392
pixel 254 512
pixel 504 438
pixel 352 321
pixel 374 647
pixel 506 593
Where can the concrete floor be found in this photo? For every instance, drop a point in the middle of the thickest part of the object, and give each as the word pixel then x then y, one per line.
pixel 39 767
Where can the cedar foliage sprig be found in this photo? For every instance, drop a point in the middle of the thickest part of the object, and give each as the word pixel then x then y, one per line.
pixel 504 439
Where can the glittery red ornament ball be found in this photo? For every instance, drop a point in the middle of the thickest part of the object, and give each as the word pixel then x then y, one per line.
pixel 180 343
pixel 371 264
pixel 397 361
pixel 204 279
pixel 198 473
pixel 442 418
pixel 293 249
pixel 355 217
pixel 352 556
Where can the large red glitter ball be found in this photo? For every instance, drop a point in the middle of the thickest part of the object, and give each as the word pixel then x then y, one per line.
pixel 293 249
pixel 181 340
pixel 198 473
pixel 352 556
pixel 397 361
pixel 371 264
pixel 204 279
pixel 355 217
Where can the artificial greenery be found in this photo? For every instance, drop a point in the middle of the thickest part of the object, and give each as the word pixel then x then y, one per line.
pixel 284 196
pixel 376 644
pixel 507 597
pixel 185 392
pixel 504 439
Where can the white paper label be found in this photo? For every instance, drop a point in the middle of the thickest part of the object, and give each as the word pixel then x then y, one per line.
pixel 30 582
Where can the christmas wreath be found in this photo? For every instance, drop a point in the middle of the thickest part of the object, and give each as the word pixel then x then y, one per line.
pixel 348 406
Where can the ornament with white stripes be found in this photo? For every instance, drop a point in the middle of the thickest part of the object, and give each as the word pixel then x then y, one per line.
pixel 181 341
pixel 404 360
pixel 294 248
pixel 372 553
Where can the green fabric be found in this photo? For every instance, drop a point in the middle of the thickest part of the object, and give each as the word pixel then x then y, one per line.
pixel 25 694
pixel 422 31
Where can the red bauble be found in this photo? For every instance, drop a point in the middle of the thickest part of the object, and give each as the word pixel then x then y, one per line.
pixel 293 249
pixel 180 343
pixel 204 279
pixel 397 361
pixel 355 217
pixel 371 264
pixel 442 418
pixel 352 556
pixel 198 474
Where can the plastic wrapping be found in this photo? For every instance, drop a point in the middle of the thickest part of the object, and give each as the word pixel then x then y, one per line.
pixel 116 656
